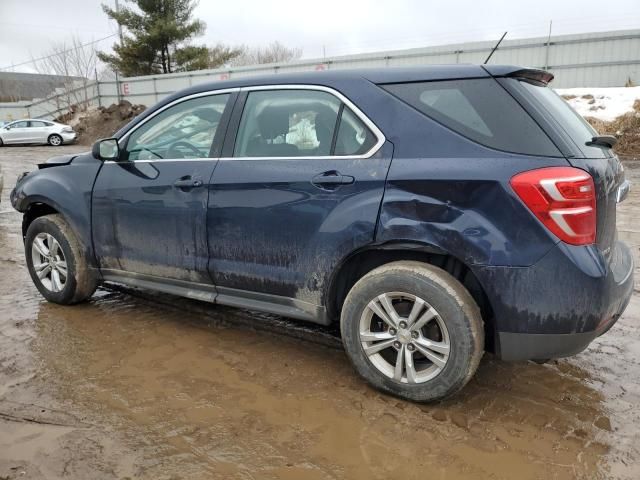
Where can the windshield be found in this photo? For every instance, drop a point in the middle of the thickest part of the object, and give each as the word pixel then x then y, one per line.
pixel 572 122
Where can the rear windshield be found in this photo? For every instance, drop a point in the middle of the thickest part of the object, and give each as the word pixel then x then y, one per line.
pixel 481 110
pixel 571 121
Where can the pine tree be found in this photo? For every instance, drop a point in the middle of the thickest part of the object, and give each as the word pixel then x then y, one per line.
pixel 156 40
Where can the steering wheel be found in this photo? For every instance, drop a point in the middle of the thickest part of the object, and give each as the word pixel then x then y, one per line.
pixel 173 151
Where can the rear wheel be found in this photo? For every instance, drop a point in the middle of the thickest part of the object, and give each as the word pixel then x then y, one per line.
pixel 412 330
pixel 55 140
pixel 56 262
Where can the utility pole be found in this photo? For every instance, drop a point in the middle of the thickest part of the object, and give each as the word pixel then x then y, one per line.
pixel 121 42
pixel 546 58
pixel 119 25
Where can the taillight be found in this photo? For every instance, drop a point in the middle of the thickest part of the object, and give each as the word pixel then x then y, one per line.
pixel 563 199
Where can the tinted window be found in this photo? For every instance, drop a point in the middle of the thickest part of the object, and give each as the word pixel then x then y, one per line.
pixel 35 124
pixel 354 138
pixel 479 109
pixel 573 124
pixel 185 130
pixel 287 123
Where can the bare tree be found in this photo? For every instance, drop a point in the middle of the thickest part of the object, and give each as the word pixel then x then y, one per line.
pixel 75 64
pixel 275 52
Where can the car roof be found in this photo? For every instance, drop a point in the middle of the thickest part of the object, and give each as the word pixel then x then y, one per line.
pixel 376 75
pixel 31 120
pixel 333 78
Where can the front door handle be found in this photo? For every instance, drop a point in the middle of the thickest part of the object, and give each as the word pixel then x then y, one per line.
pixel 332 179
pixel 187 183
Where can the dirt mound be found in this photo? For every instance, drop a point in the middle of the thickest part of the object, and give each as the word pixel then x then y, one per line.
pixel 626 128
pixel 103 122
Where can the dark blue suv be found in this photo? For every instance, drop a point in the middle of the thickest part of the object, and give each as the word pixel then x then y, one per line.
pixel 435 212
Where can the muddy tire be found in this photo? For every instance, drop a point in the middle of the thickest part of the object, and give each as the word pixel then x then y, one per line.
pixel 412 330
pixel 56 262
pixel 54 140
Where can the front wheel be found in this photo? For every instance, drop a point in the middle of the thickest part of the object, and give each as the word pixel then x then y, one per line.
pixel 56 262
pixel 412 330
pixel 55 140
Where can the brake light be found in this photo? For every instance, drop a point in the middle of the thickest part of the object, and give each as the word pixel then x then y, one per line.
pixel 563 199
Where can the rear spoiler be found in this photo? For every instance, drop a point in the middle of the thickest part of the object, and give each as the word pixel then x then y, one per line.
pixel 532 74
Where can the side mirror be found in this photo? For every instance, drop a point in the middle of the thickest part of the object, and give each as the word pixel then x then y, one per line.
pixel 106 149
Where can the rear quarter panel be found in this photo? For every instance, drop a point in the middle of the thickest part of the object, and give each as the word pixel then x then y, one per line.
pixel 452 193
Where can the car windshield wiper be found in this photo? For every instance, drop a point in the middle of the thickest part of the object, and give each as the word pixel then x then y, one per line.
pixel 607 141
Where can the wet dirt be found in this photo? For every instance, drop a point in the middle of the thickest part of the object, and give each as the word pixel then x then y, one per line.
pixel 138 385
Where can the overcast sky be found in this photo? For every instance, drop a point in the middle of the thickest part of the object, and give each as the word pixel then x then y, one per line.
pixel 27 27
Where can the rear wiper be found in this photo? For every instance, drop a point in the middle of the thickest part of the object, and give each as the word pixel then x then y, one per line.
pixel 603 141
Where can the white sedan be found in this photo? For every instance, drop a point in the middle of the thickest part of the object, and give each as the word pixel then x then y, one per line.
pixel 36 131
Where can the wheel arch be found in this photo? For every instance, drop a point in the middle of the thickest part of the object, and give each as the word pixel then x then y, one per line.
pixel 362 261
pixel 37 207
pixel 34 210
pixel 54 134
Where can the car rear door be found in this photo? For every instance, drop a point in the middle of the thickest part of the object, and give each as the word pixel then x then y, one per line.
pixel 38 131
pixel 297 189
pixel 149 208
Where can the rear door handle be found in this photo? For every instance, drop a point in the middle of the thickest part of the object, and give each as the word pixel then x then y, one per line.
pixel 332 179
pixel 187 183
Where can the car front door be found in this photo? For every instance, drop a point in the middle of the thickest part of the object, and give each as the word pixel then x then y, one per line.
pixel 17 132
pixel 149 207
pixel 297 191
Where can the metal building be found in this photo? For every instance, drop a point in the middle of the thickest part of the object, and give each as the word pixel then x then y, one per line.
pixel 602 59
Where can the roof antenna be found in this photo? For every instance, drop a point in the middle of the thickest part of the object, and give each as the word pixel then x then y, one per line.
pixel 495 48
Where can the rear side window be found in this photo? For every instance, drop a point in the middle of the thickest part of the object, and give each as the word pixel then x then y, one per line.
pixel 287 123
pixel 300 123
pixel 479 109
pixel 573 124
pixel 354 137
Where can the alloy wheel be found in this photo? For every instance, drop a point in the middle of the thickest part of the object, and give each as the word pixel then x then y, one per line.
pixel 49 262
pixel 404 337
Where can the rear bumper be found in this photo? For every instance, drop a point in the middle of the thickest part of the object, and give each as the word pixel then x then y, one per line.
pixel 556 307
pixel 69 137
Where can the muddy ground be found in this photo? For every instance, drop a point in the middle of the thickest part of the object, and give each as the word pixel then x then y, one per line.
pixel 135 385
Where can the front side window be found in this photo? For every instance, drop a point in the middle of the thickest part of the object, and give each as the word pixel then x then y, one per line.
pixel 183 131
pixel 20 125
pixel 479 109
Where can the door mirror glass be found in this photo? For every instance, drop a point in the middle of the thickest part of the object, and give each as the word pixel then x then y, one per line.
pixel 106 149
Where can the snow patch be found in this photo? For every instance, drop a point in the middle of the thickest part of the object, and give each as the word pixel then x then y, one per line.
pixel 602 103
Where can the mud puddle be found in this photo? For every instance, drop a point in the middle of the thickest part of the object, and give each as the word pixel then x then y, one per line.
pixel 126 386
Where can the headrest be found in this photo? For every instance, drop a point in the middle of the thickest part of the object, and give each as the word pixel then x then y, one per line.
pixel 273 122
pixel 210 115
